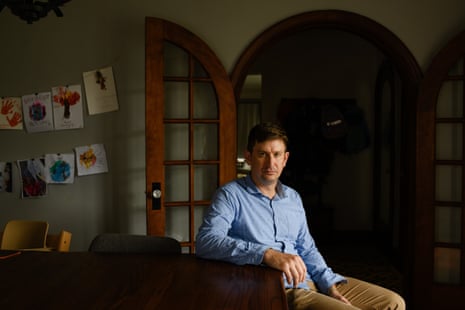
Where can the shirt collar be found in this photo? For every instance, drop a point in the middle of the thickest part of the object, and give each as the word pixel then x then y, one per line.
pixel 253 189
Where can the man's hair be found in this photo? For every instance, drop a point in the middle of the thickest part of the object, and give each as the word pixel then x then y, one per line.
pixel 264 132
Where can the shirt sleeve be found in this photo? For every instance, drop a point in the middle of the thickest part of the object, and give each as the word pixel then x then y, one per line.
pixel 319 272
pixel 213 240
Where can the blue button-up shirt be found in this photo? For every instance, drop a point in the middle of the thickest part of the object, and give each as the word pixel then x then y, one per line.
pixel 242 223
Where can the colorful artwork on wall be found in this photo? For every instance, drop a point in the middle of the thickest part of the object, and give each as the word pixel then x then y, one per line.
pixel 6 183
pixel 91 159
pixel 37 112
pixel 100 91
pixel 33 180
pixel 67 107
pixel 58 109
pixel 11 116
pixel 59 168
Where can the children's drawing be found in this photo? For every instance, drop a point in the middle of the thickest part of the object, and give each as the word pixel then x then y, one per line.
pixel 91 159
pixel 100 91
pixel 37 112
pixel 5 177
pixel 59 168
pixel 11 116
pixel 67 107
pixel 32 177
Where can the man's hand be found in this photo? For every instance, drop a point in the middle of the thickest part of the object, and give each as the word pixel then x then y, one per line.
pixel 292 265
pixel 333 292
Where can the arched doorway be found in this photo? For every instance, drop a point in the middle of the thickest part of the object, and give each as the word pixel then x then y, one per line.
pixel 439 217
pixel 409 74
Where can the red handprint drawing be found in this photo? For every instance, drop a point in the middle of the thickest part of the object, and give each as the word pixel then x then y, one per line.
pixel 13 118
pixel 7 107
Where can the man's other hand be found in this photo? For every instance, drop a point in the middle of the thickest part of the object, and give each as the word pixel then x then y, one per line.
pixel 292 265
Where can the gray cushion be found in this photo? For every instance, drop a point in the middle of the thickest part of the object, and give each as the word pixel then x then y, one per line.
pixel 127 243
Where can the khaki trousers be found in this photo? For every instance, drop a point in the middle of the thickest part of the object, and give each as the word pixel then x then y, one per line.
pixel 362 295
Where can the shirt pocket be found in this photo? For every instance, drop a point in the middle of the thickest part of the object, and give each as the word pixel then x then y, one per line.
pixel 292 219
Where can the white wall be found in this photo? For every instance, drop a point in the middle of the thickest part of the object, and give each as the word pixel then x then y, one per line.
pixel 93 34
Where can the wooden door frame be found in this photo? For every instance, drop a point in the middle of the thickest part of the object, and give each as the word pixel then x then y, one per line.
pixel 424 213
pixel 386 75
pixel 157 32
pixel 409 72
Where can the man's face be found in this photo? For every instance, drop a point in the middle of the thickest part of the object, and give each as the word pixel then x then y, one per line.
pixel 267 161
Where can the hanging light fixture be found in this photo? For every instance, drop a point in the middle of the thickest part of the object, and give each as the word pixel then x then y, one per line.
pixel 32 11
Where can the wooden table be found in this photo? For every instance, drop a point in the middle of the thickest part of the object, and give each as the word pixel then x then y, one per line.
pixel 84 280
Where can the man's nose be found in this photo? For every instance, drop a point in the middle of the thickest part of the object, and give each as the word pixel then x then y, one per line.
pixel 269 160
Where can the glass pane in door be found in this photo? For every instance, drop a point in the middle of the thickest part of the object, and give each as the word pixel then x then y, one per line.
pixel 176 61
pixel 448 183
pixel 447 265
pixel 205 106
pixel 450 100
pixel 199 70
pixel 204 149
pixel 448 224
pixel 457 69
pixel 449 137
pixel 176 142
pixel 177 223
pixel 177 183
pixel 205 181
pixel 176 100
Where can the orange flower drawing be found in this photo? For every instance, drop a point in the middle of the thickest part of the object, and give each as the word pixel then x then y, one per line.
pixel 66 98
pixel 88 158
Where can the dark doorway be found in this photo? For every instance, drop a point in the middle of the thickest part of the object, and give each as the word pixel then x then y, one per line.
pixel 391 49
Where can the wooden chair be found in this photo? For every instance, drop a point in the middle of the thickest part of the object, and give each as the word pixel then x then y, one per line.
pixel 24 235
pixel 60 242
pixel 127 243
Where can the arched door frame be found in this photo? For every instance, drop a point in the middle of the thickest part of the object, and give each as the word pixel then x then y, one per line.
pixel 409 73
pixel 443 296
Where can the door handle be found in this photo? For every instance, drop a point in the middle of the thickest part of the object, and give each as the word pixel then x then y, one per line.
pixel 156 196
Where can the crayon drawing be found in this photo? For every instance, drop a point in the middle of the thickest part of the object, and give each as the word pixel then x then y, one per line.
pixel 100 91
pixel 59 168
pixel 91 159
pixel 11 116
pixel 67 107
pixel 37 112
pixel 6 183
pixel 32 178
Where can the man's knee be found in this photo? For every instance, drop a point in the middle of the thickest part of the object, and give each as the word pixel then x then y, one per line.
pixel 394 302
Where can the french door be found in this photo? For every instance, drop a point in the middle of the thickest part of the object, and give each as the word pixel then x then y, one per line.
pixel 439 269
pixel 190 130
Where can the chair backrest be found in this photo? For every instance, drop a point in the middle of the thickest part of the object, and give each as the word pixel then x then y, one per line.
pixel 60 242
pixel 24 234
pixel 127 243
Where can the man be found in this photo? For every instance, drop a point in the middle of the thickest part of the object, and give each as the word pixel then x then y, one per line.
pixel 258 220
